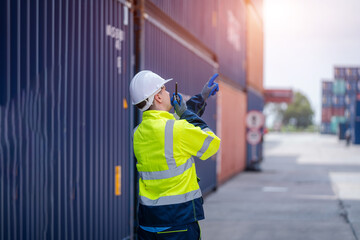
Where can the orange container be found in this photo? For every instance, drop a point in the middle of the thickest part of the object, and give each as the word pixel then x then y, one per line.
pixel 254 47
pixel 231 112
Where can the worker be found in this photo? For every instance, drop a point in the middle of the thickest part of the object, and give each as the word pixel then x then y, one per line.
pixel 170 200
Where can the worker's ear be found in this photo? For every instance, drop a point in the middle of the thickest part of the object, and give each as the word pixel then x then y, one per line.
pixel 158 98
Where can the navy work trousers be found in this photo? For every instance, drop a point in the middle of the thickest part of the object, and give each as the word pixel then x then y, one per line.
pixel 185 232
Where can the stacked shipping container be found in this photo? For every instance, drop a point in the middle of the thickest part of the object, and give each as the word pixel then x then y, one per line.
pixel 67 168
pixel 345 101
pixel 254 79
pixel 327 87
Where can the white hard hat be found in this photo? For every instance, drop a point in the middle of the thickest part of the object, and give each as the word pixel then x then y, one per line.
pixel 145 85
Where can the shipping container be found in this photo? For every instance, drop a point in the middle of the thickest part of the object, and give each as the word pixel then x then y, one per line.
pixel 255 101
pixel 356 132
pixel 351 85
pixel 199 19
pixel 327 87
pixel 338 111
pixel 65 156
pixel 221 26
pixel 327 100
pixel 325 128
pixel 338 101
pixel 351 72
pixel 254 48
pixel 231 40
pixel 326 114
pixel 342 129
pixel 339 72
pixel 357 108
pixel 258 5
pixel 335 121
pixel 339 87
pixel 350 98
pixel 231 130
pixel 175 57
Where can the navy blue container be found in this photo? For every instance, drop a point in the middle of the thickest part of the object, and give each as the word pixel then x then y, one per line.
pixel 357 108
pixel 356 132
pixel 351 85
pixel 350 99
pixel 351 72
pixel 171 59
pixel 254 154
pixel 327 100
pixel 327 87
pixel 340 72
pixel 325 128
pixel 220 25
pixel 342 129
pixel 198 18
pixel 338 101
pixel 65 156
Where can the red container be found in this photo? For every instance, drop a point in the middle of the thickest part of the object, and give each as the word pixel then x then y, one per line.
pixel 254 53
pixel 338 111
pixel 326 115
pixel 232 130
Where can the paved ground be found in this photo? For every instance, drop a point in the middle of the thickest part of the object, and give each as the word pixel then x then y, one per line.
pixel 309 189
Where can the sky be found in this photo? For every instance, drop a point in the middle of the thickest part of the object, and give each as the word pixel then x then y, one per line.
pixel 305 39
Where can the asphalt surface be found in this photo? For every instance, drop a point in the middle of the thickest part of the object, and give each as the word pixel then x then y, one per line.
pixel 309 188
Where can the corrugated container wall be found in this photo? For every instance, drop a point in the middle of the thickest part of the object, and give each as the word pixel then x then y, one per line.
pixel 254 47
pixel 339 72
pixel 231 40
pixel 232 130
pixel 220 25
pixel 65 165
pixel 327 103
pixel 325 128
pixel 196 16
pixel 167 52
pixel 255 101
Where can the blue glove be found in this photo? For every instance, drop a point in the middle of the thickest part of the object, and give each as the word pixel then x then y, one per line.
pixel 180 107
pixel 210 88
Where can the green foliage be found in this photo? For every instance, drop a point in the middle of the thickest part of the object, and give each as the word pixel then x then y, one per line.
pixel 299 113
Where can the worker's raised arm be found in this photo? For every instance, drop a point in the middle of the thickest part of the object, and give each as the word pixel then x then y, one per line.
pixel 202 143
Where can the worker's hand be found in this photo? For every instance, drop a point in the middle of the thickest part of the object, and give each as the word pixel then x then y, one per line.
pixel 210 88
pixel 180 107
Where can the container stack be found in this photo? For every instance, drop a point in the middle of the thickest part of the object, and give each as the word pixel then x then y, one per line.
pixel 342 112
pixel 327 95
pixel 338 105
pixel 352 97
pixel 65 120
pixel 254 75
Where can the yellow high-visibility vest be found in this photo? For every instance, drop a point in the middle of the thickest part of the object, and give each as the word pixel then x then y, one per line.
pixel 164 148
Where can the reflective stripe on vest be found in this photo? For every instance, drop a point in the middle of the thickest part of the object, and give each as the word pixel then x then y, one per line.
pixel 167 173
pixel 205 146
pixel 169 151
pixel 166 200
pixel 207 130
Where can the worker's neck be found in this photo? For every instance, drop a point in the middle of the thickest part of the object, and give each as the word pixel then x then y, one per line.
pixel 158 107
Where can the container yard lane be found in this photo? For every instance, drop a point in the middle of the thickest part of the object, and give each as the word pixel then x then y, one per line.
pixel 309 189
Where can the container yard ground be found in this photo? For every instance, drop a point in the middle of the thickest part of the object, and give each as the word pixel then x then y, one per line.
pixel 309 189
